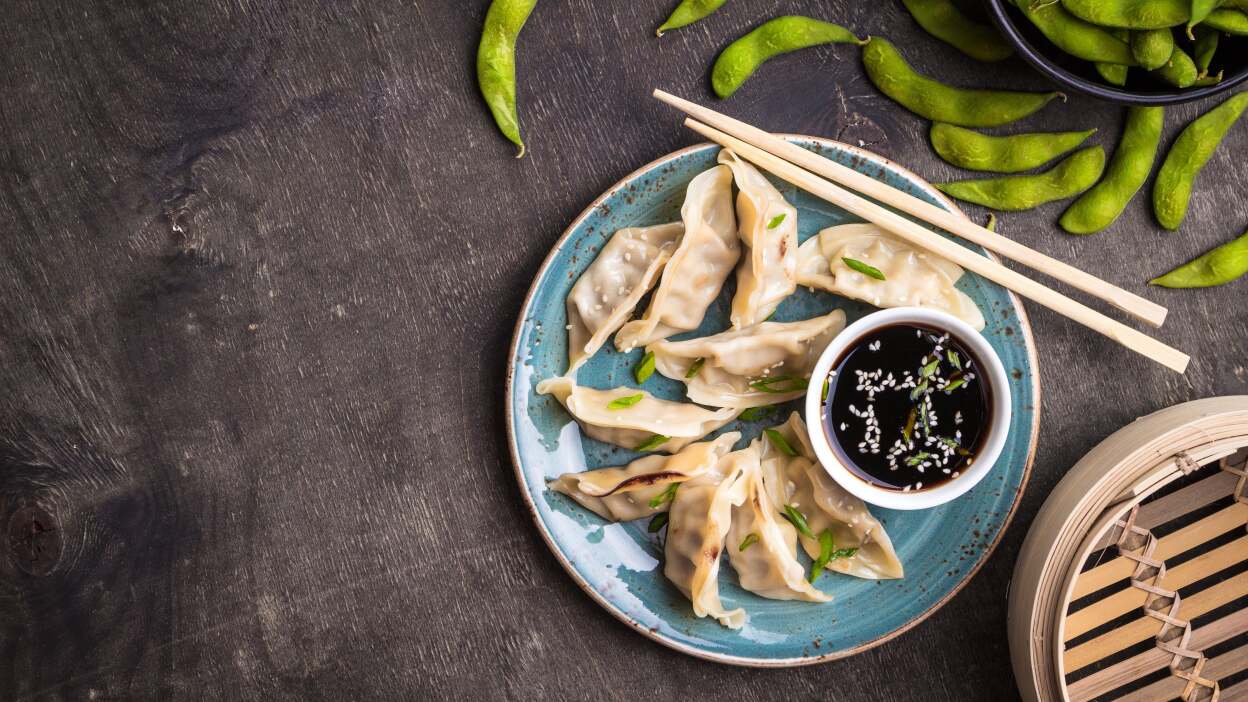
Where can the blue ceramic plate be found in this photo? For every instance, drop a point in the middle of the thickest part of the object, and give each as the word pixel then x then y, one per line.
pixel 620 565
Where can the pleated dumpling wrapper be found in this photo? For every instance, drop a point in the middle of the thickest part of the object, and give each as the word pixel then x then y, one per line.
pixel 635 491
pixel 912 278
pixel 741 368
pixel 703 259
pixel 762 546
pixel 608 291
pixel 800 481
pixel 634 418
pixel 767 225
pixel 697 523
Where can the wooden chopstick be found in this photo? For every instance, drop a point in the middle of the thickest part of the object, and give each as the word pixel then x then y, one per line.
pixel 1128 302
pixel 924 238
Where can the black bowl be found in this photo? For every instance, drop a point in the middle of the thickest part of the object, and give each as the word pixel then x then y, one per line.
pixel 1080 76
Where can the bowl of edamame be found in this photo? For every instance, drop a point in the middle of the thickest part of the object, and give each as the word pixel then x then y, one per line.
pixel 1128 51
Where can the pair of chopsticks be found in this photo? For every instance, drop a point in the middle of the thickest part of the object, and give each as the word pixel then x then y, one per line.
pixel 823 178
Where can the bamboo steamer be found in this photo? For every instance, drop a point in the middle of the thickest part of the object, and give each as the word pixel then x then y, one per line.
pixel 1135 566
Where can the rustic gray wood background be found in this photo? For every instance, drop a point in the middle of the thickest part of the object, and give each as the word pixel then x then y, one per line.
pixel 259 269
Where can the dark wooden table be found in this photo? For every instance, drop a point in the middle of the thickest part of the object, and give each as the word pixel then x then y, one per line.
pixel 259 269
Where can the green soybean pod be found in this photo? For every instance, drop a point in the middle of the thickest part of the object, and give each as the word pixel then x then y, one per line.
pixel 1191 150
pixel 1125 175
pixel 776 36
pixel 1002 154
pixel 1200 10
pixel 496 63
pixel 1152 48
pixel 688 12
pixel 1222 265
pixel 1132 14
pixel 1113 73
pixel 943 20
pixel 1076 173
pixel 1180 71
pixel 1204 49
pixel 1229 21
pixel 1074 36
pixel 943 103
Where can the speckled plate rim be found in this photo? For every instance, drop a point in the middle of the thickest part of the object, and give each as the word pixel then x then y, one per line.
pixel 1032 359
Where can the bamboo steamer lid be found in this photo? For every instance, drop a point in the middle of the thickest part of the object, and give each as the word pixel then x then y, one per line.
pixel 1137 566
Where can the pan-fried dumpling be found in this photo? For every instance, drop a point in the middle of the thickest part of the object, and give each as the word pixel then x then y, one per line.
pixel 912 278
pixel 701 262
pixel 827 505
pixel 767 225
pixel 697 522
pixel 608 291
pixel 740 368
pixel 623 494
pixel 636 424
pixel 767 566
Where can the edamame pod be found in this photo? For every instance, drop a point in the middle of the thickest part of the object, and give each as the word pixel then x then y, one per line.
pixel 1127 171
pixel 688 12
pixel 943 20
pixel 496 63
pixel 1206 46
pixel 1132 14
pixel 1229 21
pixel 1002 154
pixel 1200 10
pixel 1196 143
pixel 1074 36
pixel 943 103
pixel 1113 73
pixel 1180 71
pixel 1222 265
pixel 1076 173
pixel 773 37
pixel 1152 48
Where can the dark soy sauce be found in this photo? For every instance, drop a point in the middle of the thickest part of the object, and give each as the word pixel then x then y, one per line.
pixel 907 407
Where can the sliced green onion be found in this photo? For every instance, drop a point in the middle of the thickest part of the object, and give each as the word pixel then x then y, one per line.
pixel 624 402
pixel 954 359
pixel 930 369
pixel 782 444
pixel 776 221
pixel 645 368
pixel 908 430
pixel 750 540
pixel 694 368
pixel 790 383
pixel 754 414
pixel 826 548
pixel 870 271
pixel 918 458
pixel 798 520
pixel 918 390
pixel 664 497
pixel 950 387
pixel 823 396
pixel 659 521
pixel 652 443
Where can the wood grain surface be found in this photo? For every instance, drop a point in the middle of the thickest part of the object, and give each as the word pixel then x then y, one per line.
pixel 259 267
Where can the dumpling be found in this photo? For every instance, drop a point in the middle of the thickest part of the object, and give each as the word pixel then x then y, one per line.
pixel 639 423
pixel 768 565
pixel 608 291
pixel 624 494
pixel 701 262
pixel 697 523
pixel 767 225
pixel 827 505
pixel 752 367
pixel 912 278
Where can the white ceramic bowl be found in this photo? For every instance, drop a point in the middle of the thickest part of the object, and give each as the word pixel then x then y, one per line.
pixel 999 391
